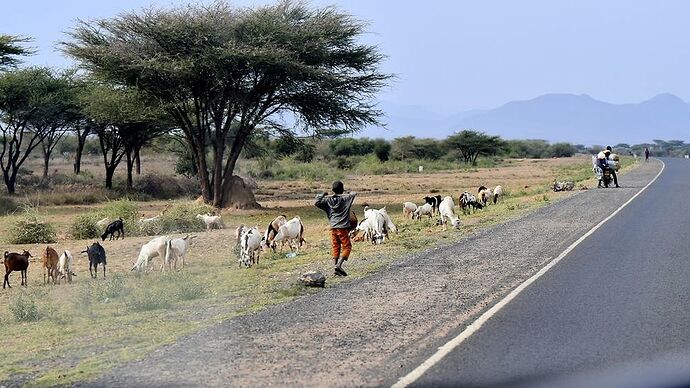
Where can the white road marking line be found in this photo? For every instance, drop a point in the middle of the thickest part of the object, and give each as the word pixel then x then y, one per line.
pixel 477 324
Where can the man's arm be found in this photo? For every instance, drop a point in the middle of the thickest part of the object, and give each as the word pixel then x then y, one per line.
pixel 319 202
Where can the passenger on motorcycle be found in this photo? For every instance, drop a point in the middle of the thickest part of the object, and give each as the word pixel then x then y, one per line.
pixel 603 160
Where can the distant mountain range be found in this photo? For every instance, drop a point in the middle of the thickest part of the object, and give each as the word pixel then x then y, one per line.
pixel 578 119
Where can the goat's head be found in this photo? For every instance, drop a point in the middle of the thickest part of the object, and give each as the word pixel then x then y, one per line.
pixel 27 254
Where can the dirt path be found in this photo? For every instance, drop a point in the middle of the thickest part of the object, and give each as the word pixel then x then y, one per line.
pixel 376 329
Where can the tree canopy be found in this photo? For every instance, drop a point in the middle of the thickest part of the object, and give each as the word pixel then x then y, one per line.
pixel 222 72
pixel 12 47
pixel 471 144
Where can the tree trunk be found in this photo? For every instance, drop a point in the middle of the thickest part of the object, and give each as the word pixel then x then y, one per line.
pixel 137 159
pixel 46 161
pixel 10 181
pixel 109 173
pixel 130 167
pixel 81 141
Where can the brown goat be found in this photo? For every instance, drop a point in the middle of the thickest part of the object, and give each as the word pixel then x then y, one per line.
pixel 50 265
pixel 16 262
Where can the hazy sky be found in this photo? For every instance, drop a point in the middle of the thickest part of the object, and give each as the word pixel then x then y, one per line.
pixel 454 55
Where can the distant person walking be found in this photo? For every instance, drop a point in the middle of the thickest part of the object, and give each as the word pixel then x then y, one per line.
pixel 646 154
pixel 337 208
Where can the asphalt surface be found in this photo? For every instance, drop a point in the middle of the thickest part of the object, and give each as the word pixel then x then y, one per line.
pixel 616 310
pixel 374 330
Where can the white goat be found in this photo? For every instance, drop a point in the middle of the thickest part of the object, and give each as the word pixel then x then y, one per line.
pixel 145 221
pixel 103 223
pixel 249 240
pixel 408 209
pixel 65 267
pixel 211 221
pixel 373 226
pixel 426 209
pixel 448 214
pixel 272 230
pixel 498 193
pixel 176 250
pixel 151 250
pixel 485 196
pixel 292 233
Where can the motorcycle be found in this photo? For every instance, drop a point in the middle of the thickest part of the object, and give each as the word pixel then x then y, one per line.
pixel 604 175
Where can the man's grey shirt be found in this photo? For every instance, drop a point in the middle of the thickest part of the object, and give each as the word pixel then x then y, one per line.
pixel 337 207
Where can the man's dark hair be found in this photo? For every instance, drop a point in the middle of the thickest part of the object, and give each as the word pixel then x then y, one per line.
pixel 338 187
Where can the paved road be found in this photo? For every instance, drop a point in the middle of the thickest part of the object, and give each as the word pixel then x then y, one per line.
pixel 619 303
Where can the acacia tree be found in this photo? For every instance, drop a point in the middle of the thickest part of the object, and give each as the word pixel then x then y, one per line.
pixel 58 114
pixel 11 47
pixel 124 122
pixel 222 72
pixel 24 96
pixel 471 144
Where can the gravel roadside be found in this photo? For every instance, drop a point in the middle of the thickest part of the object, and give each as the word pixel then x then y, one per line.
pixel 376 329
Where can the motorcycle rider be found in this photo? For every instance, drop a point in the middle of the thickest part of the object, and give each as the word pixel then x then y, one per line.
pixel 603 160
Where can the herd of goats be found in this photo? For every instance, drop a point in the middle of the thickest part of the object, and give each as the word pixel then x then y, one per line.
pixel 375 227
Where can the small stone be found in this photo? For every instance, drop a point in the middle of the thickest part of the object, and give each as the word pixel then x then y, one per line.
pixel 313 279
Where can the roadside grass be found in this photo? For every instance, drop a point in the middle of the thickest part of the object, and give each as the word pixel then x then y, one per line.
pixel 75 332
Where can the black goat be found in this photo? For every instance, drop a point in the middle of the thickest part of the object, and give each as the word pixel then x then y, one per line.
pixel 96 255
pixel 115 226
pixel 16 262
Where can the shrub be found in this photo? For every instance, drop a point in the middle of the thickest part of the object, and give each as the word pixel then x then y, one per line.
pixel 181 218
pixel 184 287
pixel 30 229
pixel 84 227
pixel 147 299
pixel 125 209
pixel 24 308
pixel 7 205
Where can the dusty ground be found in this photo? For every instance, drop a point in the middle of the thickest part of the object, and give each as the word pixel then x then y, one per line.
pixel 376 329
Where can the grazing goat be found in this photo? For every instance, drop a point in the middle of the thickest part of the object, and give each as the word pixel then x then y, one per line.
pixel 498 193
pixel 50 264
pixel 485 196
pixel 211 221
pixel 65 267
pixel 250 245
pixel 176 250
pixel 292 233
pixel 434 202
pixel 271 230
pixel 408 209
pixel 388 225
pixel 152 249
pixel 426 209
pixel 115 226
pixel 448 214
pixel 16 262
pixel 468 202
pixel 145 221
pixel 373 226
pixel 102 223
pixel 96 255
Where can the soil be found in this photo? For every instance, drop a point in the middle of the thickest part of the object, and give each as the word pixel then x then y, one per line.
pixel 373 330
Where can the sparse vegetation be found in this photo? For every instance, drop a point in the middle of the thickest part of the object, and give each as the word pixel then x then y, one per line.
pixel 30 228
